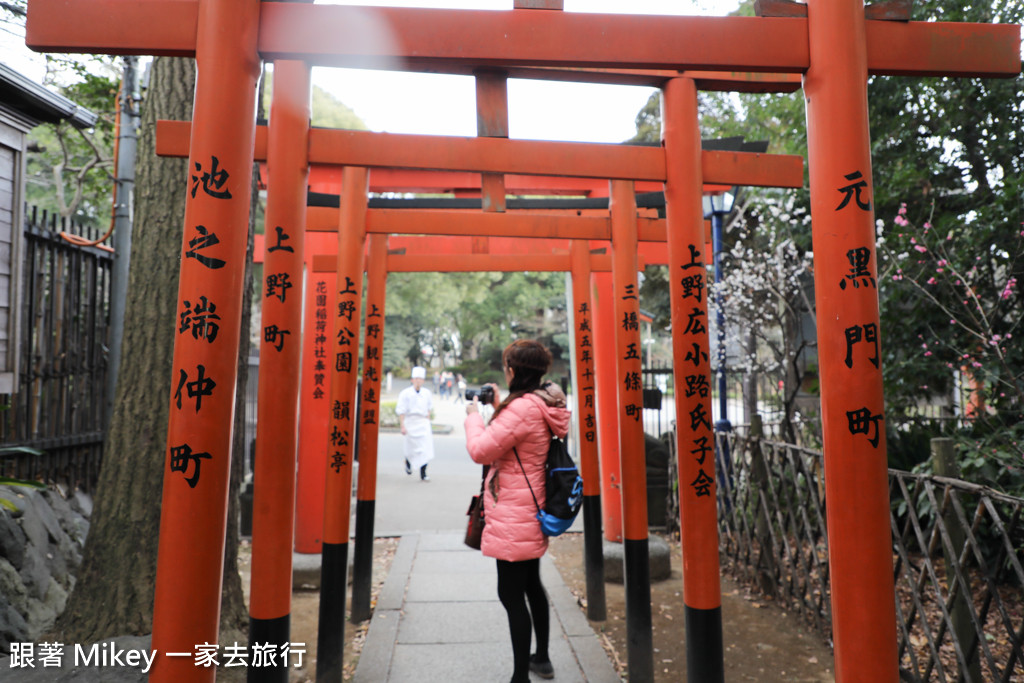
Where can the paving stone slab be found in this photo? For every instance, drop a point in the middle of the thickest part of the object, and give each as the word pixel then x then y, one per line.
pixel 452 663
pixel 443 541
pixel 447 562
pixel 452 622
pixel 425 587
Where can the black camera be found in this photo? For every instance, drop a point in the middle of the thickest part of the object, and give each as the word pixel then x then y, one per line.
pixel 485 394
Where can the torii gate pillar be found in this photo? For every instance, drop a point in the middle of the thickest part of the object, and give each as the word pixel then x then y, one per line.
pixel 369 426
pixel 280 353
pixel 695 439
pixel 845 277
pixel 193 514
pixel 344 366
pixel 632 464
pixel 607 405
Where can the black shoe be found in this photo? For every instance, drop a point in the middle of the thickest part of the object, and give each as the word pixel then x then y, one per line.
pixel 542 669
pixel 408 467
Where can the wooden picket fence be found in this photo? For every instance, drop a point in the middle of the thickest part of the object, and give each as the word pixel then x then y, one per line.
pixel 59 407
pixel 958 550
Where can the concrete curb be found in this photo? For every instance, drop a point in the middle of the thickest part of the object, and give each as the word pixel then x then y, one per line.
pixel 378 650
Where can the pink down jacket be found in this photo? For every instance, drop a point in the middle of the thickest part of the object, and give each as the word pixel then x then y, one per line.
pixel 512 531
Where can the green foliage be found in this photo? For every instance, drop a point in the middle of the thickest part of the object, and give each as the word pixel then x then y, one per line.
pixel 908 445
pixel 328 111
pixel 69 171
pixel 470 317
pixel 482 370
pixel 948 168
pixel 948 159
pixel 388 416
pixel 965 302
pixel 654 296
pixel 24 483
pixel 991 455
pixel 648 121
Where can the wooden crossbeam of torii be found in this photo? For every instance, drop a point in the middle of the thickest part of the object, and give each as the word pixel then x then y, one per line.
pixel 835 48
pixel 458 41
pixel 497 155
pixel 509 224
pixel 427 262
pixel 539 253
pixel 325 178
pixel 650 253
pixel 719 168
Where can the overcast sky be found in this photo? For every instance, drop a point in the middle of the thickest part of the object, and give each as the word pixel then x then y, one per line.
pixel 446 105
pixel 538 110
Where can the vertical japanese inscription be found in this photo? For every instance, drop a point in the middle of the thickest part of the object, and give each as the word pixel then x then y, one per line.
pixel 277 288
pixel 632 384
pixel 859 280
pixel 697 428
pixel 588 422
pixel 198 320
pixel 320 339
pixel 372 365
pixel 346 362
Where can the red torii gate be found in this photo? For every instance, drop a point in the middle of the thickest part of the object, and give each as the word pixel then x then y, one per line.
pixel 455 257
pixel 724 167
pixel 350 242
pixel 835 46
pixel 744 168
pixel 440 222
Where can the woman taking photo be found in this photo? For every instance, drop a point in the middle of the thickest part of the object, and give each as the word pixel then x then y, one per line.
pixel 515 445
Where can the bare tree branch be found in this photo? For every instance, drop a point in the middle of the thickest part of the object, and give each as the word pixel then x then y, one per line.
pixel 16 10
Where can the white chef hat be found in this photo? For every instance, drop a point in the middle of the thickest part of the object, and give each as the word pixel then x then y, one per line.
pixel 419 372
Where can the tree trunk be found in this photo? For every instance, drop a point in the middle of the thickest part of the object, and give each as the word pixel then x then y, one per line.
pixel 114 589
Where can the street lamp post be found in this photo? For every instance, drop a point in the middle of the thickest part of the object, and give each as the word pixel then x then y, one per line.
pixel 716 207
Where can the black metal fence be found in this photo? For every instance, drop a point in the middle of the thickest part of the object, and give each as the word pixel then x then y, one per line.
pixel 659 403
pixel 957 548
pixel 59 407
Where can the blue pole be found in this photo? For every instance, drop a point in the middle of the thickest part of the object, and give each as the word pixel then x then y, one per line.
pixel 722 424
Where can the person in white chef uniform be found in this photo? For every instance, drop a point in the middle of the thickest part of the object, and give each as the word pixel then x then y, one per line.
pixel 415 408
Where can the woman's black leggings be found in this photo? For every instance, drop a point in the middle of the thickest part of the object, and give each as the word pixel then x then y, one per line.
pixel 519 582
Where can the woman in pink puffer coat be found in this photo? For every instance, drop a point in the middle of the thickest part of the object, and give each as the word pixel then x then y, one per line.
pixel 513 493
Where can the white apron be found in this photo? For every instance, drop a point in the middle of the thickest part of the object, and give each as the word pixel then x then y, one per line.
pixel 419 442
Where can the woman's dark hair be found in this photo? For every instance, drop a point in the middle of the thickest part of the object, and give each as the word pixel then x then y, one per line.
pixel 529 361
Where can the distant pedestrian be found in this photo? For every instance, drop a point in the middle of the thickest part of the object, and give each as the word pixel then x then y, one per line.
pixel 460 388
pixel 415 408
pixel 515 445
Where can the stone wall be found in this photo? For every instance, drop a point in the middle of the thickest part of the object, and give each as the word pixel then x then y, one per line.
pixel 40 548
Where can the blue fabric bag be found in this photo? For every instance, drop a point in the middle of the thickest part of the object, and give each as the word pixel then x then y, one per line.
pixel 563 487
